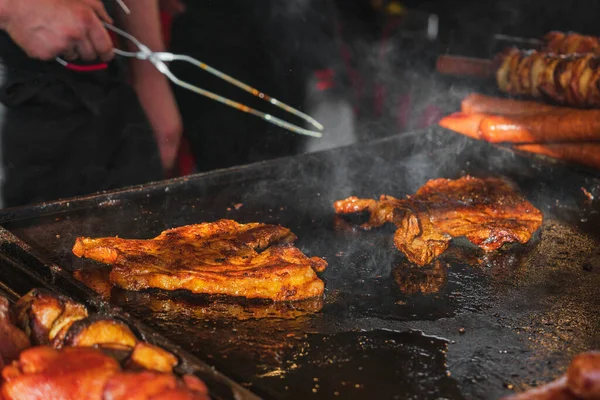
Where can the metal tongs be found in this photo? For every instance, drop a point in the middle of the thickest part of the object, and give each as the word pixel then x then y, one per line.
pixel 159 60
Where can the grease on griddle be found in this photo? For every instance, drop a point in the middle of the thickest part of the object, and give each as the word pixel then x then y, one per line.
pixel 358 365
pixel 414 280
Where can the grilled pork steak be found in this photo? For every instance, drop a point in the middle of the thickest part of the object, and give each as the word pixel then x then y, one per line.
pixel 488 212
pixel 248 260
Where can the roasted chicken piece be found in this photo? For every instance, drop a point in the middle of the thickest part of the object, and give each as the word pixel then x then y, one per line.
pixel 46 373
pixel 247 260
pixel 12 339
pixel 581 382
pixel 154 386
pixel 488 212
pixel 80 373
pixel 46 316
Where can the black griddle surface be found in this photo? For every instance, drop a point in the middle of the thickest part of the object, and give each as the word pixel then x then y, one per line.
pixel 487 324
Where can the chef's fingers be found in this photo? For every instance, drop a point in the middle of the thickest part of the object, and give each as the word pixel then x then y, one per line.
pixel 85 50
pixel 70 54
pixel 101 41
pixel 99 9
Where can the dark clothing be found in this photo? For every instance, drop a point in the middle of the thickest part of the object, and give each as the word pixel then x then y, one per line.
pixel 273 45
pixel 66 133
pixel 65 137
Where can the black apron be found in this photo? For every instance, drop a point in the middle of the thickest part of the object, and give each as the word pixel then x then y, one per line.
pixel 66 133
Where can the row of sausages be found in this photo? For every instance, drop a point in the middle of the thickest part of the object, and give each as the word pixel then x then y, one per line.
pixel 565 133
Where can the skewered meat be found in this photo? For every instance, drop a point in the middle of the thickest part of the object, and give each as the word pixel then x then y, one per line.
pixel 12 339
pixel 224 257
pixel 486 211
pixel 581 382
pixel 88 374
pixel 570 42
pixel 566 79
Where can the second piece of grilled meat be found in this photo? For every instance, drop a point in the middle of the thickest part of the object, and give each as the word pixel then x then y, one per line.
pixel 488 212
pixel 224 257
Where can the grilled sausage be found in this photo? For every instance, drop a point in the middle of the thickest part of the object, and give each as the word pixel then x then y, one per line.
pixel 585 154
pixel 577 125
pixel 476 103
pixel 466 124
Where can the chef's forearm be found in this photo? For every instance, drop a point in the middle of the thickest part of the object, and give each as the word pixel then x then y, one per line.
pixel 153 88
pixel 144 23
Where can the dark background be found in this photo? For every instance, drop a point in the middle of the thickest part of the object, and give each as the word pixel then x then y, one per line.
pixel 382 65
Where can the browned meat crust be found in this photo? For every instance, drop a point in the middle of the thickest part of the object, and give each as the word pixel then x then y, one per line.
pixel 488 212
pixel 247 260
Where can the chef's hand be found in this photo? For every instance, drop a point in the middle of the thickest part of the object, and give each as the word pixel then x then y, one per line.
pixel 45 29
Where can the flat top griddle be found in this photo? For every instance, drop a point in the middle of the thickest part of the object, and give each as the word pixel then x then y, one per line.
pixel 473 325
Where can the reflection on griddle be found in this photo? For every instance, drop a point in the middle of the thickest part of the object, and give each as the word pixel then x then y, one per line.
pixel 97 279
pixel 361 365
pixel 198 306
pixel 216 307
pixel 414 280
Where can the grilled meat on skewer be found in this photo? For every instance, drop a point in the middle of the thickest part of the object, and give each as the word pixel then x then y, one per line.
pixel 570 43
pixel 572 80
pixel 486 211
pixel 224 257
pixel 557 42
pixel 565 79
